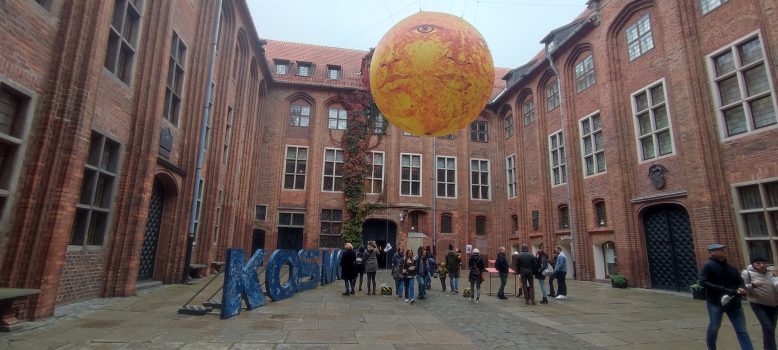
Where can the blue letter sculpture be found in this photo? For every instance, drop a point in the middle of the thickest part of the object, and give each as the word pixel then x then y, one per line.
pixel 278 259
pixel 241 282
pixel 308 267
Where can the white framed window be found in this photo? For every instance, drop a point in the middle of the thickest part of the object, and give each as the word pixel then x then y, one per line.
pixel 333 73
pixel 639 37
pixel 508 124
pixel 410 174
pixel 710 5
pixel 260 212
pixel 303 69
pixel 446 171
pixel 653 128
pixel 584 74
pixel 510 175
pixel 528 110
pixel 480 183
pixel 174 90
pixel 479 131
pixel 556 153
pixel 337 119
pixel 374 182
pixel 95 201
pixel 282 68
pixel 333 170
pixel 300 115
pixel 16 113
pixel 123 38
pixel 592 144
pixel 742 87
pixel 552 95
pixel 295 167
pixel 757 215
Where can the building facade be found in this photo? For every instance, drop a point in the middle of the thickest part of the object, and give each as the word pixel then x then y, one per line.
pixel 645 131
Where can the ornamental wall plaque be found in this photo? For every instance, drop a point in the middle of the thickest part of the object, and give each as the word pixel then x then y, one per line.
pixel 657 174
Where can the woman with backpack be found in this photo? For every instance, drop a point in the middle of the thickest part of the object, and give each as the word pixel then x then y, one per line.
pixel 540 274
pixel 475 277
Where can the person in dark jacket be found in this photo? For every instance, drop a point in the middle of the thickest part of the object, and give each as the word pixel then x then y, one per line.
pixel 542 264
pixel 360 264
pixel 501 264
pixel 724 288
pixel 477 268
pixel 370 258
pixel 453 260
pixel 348 269
pixel 525 267
pixel 423 271
pixel 398 263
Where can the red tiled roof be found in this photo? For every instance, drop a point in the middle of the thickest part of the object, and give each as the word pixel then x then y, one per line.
pixel 320 57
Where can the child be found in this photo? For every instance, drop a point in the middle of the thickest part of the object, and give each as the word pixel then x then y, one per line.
pixel 442 274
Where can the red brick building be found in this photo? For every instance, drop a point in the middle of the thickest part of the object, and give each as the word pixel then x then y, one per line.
pixel 644 132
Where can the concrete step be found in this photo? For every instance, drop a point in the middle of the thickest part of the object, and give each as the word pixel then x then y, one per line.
pixel 147 285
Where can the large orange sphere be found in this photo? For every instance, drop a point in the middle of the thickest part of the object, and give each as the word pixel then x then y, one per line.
pixel 431 74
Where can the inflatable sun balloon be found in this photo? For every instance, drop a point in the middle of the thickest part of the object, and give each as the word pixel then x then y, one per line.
pixel 431 74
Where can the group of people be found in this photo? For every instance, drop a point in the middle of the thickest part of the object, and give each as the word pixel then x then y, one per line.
pixel 534 267
pixel 358 263
pixel 725 287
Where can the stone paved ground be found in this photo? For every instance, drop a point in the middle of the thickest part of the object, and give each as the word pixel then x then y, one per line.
pixel 594 316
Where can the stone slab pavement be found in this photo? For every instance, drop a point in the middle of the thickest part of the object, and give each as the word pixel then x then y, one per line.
pixel 594 316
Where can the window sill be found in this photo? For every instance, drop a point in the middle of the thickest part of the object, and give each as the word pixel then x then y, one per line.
pixel 598 230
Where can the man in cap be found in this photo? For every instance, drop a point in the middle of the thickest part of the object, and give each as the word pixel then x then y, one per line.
pixel 723 286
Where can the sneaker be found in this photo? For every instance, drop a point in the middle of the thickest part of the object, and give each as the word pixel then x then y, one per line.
pixel 476 300
pixel 413 301
pixel 561 297
pixel 726 299
pixel 406 300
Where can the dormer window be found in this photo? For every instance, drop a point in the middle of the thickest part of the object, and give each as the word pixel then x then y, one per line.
pixel 282 67
pixel 304 69
pixel 333 72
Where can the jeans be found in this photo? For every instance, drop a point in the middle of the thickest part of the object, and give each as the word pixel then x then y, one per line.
pixel 408 288
pixel 443 283
pixel 422 280
pixel 371 279
pixel 475 287
pixel 503 280
pixel 767 316
pixel 528 286
pixel 543 287
pixel 428 280
pixel 351 283
pixel 398 286
pixel 454 280
pixel 560 280
pixel 738 319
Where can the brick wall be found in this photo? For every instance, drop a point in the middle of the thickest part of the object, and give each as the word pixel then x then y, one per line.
pixel 82 276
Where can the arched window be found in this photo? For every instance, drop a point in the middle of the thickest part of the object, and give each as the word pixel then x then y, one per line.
pixel 508 124
pixel 446 223
pixel 599 212
pixel 514 224
pixel 301 114
pixel 528 110
pixel 480 225
pixel 564 217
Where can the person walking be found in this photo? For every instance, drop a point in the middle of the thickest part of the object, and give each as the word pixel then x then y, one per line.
pixel 453 260
pixel 560 272
pixel 423 267
pixel 763 297
pixel 723 290
pixel 475 277
pixel 409 271
pixel 501 264
pixel 526 265
pixel 398 264
pixel 371 266
pixel 348 269
pixel 360 264
pixel 542 265
pixel 442 272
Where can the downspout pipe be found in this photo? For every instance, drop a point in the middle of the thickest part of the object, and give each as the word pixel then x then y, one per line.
pixel 202 146
pixel 567 157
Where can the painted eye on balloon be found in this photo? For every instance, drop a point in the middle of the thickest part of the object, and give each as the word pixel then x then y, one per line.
pixel 425 28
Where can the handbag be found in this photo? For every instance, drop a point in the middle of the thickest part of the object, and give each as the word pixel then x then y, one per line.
pixel 548 271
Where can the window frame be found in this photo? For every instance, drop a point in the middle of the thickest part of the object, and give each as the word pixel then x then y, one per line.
pixel 591 137
pixel 479 134
pixel 552 94
pixel 587 75
pixel 336 69
pixel 510 176
pixel 410 172
pixel 300 117
pixel 174 94
pixel 443 226
pixel 308 67
pixel 768 214
pixel 563 212
pixel 528 110
pixel 654 132
pixel 331 223
pixel 706 9
pixel 488 185
pixel 338 119
pixel 297 162
pixel 446 183
pixel 118 43
pixel 279 64
pixel 557 153
pixel 639 37
pixel 372 180
pixel 292 215
pixel 480 225
pixel 334 175
pixel 739 72
pixel 256 212
pixel 17 138
pixel 600 216
pixel 508 125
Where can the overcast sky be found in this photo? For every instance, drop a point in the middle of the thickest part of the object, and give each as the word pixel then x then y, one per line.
pixel 512 28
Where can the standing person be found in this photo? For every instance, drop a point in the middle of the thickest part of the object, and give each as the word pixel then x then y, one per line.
pixel 431 267
pixel 442 275
pixel 551 277
pixel 360 263
pixel 398 263
pixel 422 268
pixel 526 266
pixel 348 269
pixel 515 264
pixel 475 277
pixel 409 271
pixel 560 272
pixel 542 264
pixel 763 298
pixel 453 260
pixel 501 264
pixel 723 291
pixel 371 266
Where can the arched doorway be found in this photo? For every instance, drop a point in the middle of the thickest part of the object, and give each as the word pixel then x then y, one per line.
pixel 382 232
pixel 148 253
pixel 670 247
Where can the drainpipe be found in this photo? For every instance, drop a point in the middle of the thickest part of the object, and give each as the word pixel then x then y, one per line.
pixel 202 147
pixel 434 199
pixel 566 154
